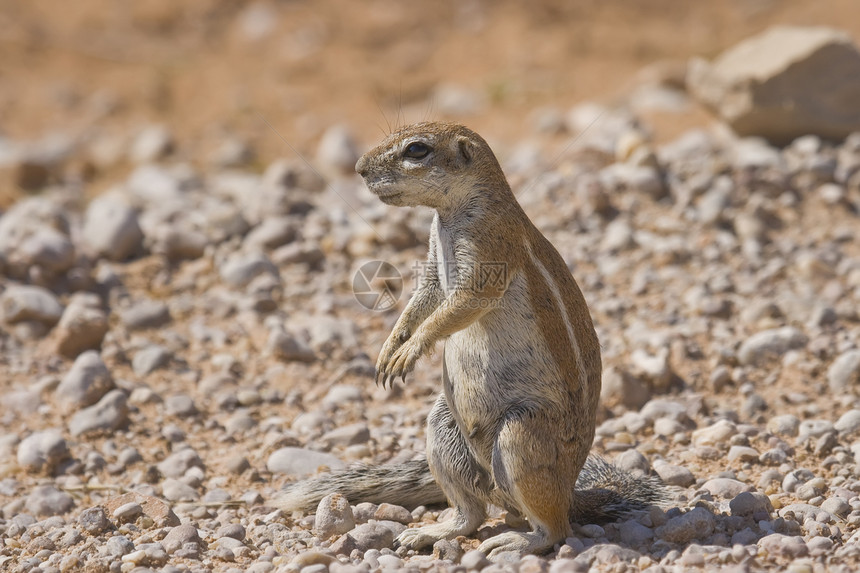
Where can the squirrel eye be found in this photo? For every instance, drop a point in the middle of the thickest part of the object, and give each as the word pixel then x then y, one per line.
pixel 416 150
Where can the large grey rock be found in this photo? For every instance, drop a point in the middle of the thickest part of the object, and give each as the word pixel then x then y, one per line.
pixel 111 229
pixel 85 383
pixel 26 302
pixel 109 413
pixel 784 83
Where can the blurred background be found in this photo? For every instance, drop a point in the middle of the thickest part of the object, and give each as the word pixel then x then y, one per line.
pixel 210 70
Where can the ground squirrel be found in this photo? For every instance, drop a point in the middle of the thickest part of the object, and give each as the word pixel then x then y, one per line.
pixel 521 365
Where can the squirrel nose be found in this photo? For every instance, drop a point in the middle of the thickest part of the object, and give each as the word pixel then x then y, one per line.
pixel 361 165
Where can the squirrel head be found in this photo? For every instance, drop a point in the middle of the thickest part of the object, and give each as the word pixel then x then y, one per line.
pixel 434 164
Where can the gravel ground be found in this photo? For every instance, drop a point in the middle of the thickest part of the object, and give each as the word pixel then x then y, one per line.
pixel 178 348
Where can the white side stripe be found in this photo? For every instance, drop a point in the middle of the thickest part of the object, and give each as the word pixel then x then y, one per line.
pixel 583 376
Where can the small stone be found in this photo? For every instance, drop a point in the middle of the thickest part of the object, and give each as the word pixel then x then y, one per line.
pixel 618 236
pixel 372 536
pixel 182 534
pixel 337 150
pixel 784 546
pixel 349 435
pixel 837 506
pixel 661 408
pixel 42 450
pixel 390 512
pixel 119 545
pixel 175 490
pixel 177 244
pixel 634 534
pixel 725 487
pixel 474 560
pixel 785 425
pixel 48 500
pixel 770 344
pixel 749 503
pixel 742 454
pixel 144 314
pixel 848 423
pixel 178 463
pixel 844 373
pixel 150 359
pixel 309 558
pixel 94 520
pixel 592 530
pixel 300 462
pixel 241 269
pixel 624 388
pixel 111 229
pixel 288 347
pixel 110 413
pixel 813 429
pixel 237 464
pixel 25 303
pixel 820 545
pixel 82 327
pixel 390 562
pixel 446 549
pixel 234 530
pixel 180 405
pixel 86 382
pixel 155 508
pixel 674 475
pixel 128 512
pixel 299 252
pixel 151 144
pixel 333 517
pixel 698 523
pixel 717 433
pixel 667 427
pixel 272 233
pixel 632 460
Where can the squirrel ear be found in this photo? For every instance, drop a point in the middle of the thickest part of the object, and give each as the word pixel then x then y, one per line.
pixel 465 150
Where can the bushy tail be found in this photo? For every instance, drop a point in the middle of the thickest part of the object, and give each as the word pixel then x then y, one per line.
pixel 604 492
pixel 409 484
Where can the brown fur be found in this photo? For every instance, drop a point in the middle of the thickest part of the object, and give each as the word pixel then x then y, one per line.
pixel 521 368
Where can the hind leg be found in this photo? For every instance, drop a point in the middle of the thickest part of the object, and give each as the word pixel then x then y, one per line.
pixel 464 482
pixel 533 471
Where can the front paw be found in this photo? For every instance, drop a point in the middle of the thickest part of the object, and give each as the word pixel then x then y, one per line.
pixel 392 344
pixel 401 362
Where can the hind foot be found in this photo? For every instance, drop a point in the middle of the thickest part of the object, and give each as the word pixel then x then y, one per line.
pixel 460 524
pixel 515 541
